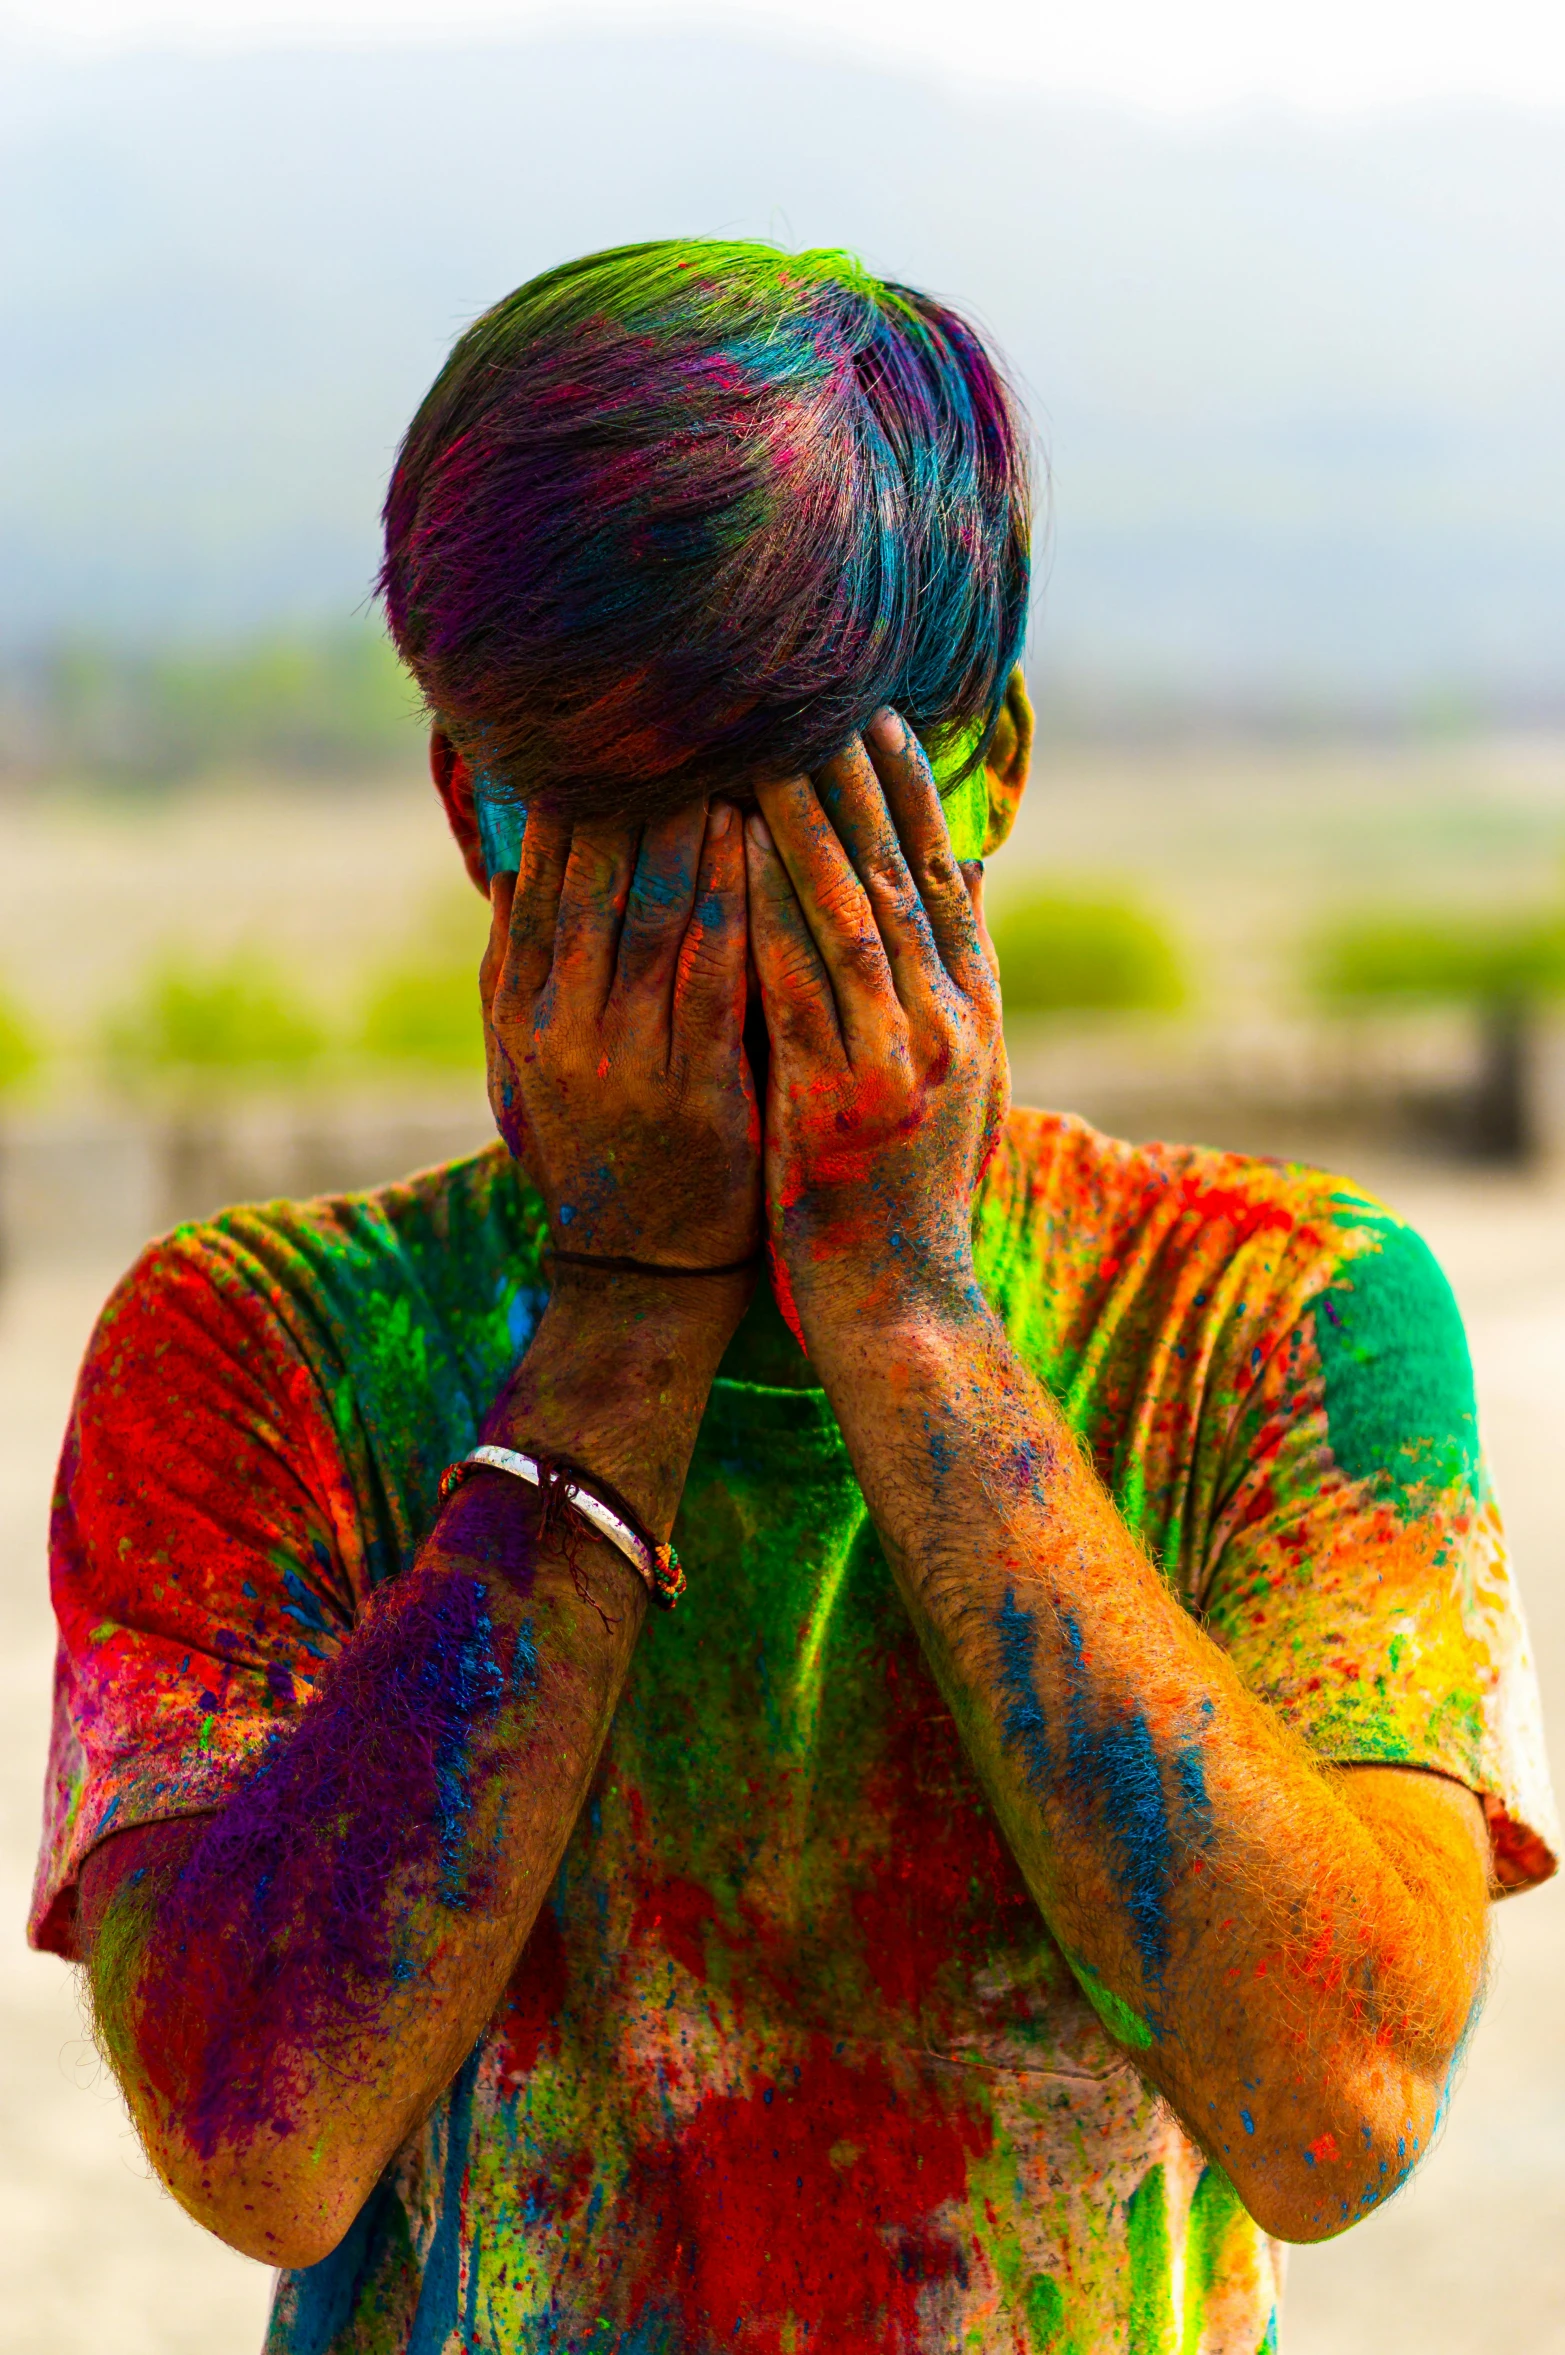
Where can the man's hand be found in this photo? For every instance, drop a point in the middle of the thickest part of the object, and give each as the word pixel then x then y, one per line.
pixel 614 992
pixel 888 1075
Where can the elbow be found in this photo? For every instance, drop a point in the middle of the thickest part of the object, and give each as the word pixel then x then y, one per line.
pixel 283 2192
pixel 282 2239
pixel 282 2206
pixel 1323 2174
pixel 1285 2213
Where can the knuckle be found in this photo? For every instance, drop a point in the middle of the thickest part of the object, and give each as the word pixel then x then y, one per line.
pixel 863 957
pixel 531 929
pixel 707 958
pixel 798 973
pixel 940 874
pixel 891 891
pixel 842 899
pixel 654 910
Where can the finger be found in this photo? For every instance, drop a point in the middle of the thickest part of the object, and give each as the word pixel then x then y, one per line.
pixel 796 991
pixel 500 1061
pixel 502 891
pixel 658 907
pixel 835 909
pixel 709 987
pixel 909 787
pixel 973 877
pixel 593 893
pixel 531 902
pixel 851 794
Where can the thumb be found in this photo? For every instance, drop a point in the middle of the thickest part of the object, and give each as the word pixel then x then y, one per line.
pixel 973 877
pixel 502 890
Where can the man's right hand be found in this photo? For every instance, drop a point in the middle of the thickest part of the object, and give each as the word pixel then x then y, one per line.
pixel 614 998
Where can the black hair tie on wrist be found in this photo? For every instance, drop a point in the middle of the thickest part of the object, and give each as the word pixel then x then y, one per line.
pixel 649 1267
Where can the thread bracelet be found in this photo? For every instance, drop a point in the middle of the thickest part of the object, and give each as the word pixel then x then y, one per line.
pixel 613 1265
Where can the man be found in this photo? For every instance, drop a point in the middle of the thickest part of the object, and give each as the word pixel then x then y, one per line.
pixel 1042 1861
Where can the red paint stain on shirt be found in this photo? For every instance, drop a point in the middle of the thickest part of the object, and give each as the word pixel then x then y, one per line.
pixel 815 2201
pixel 533 2001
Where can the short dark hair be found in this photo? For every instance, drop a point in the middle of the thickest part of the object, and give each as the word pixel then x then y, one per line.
pixel 683 514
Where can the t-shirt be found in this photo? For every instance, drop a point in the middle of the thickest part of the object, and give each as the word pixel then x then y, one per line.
pixel 791 2064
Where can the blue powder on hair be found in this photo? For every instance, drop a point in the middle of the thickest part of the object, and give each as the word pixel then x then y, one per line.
pixel 779 494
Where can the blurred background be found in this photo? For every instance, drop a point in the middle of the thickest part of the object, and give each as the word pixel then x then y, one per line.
pixel 1285 295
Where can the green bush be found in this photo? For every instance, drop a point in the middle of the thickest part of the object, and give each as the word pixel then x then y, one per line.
pixel 1077 952
pixel 337 700
pixel 18 1048
pixel 211 1030
pixel 426 1015
pixel 1436 959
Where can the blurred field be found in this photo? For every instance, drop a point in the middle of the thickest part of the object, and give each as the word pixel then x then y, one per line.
pixel 1239 847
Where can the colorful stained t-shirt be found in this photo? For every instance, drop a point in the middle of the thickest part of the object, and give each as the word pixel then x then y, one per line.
pixel 791 2064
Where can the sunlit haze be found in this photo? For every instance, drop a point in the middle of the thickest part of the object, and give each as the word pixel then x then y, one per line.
pixel 1337 55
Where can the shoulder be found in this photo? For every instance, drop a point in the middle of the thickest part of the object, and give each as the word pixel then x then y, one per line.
pixel 1115 1264
pixel 1065 1202
pixel 291 1264
pixel 356 1332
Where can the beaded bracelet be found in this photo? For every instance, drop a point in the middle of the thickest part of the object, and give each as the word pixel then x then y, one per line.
pixel 657 1566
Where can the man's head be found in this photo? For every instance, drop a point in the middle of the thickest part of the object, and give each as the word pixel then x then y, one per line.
pixel 680 517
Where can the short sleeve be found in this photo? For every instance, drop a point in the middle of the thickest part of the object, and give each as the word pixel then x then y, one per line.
pixel 1357 1569
pixel 203 1559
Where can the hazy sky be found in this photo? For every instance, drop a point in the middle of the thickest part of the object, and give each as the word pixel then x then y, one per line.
pixel 1169 54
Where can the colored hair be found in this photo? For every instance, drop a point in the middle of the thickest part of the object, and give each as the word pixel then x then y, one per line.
pixel 681 516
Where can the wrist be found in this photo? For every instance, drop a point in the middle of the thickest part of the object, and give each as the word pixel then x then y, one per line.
pixel 617 1377
pixel 613 1307
pixel 864 1343
pixel 841 1299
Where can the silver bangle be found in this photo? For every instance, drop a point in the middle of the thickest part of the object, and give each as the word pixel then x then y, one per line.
pixel 657 1566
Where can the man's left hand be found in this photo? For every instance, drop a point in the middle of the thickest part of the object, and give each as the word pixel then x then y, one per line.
pixel 888 1081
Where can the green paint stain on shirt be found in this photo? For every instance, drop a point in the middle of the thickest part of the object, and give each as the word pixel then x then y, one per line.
pixel 1121 2019
pixel 1216 2213
pixel 1398 1378
pixel 1045 2313
pixel 1151 2268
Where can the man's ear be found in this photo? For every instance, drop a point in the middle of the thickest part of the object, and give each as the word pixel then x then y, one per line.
pixel 1007 762
pixel 454 784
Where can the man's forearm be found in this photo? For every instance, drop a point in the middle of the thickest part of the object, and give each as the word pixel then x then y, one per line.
pixel 1215 1890
pixel 288 1986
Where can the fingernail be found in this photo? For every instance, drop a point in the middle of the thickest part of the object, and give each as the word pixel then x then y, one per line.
pixel 758 830
pixel 719 818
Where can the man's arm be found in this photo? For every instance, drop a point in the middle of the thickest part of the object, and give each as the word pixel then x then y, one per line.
pixel 286 1987
pixel 1290 1953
